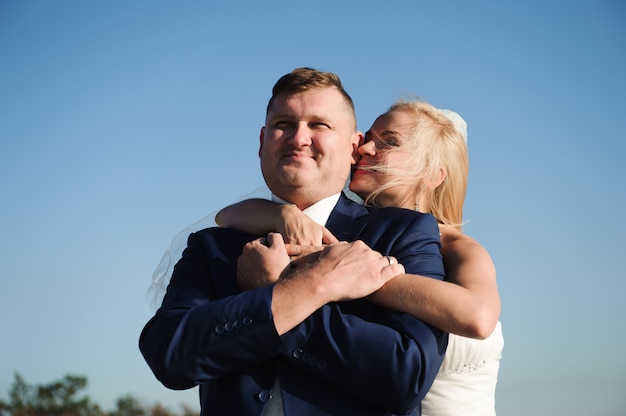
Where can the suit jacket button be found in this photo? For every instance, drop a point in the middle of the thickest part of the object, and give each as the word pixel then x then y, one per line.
pixel 228 327
pixel 247 320
pixel 264 396
pixel 219 330
pixel 297 353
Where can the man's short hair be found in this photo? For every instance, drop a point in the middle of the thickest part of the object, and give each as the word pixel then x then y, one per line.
pixel 305 79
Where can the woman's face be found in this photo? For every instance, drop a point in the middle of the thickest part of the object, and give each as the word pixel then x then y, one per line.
pixel 383 145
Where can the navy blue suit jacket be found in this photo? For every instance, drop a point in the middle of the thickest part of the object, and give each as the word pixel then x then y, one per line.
pixel 347 358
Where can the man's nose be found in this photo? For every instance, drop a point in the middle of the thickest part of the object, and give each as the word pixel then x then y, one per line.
pixel 301 135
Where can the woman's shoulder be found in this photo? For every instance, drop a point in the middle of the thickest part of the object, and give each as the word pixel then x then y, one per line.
pixel 456 240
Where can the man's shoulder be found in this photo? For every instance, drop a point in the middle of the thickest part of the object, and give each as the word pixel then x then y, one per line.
pixel 350 220
pixel 391 214
pixel 403 215
pixel 400 224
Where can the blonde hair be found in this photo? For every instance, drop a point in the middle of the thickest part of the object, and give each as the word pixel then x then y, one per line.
pixel 434 144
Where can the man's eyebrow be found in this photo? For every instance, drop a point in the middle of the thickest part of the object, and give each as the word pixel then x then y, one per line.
pixel 275 115
pixel 279 116
pixel 322 119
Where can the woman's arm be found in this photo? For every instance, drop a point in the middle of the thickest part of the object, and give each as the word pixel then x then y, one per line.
pixel 467 304
pixel 260 216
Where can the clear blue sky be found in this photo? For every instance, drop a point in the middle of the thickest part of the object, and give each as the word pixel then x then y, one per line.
pixel 121 122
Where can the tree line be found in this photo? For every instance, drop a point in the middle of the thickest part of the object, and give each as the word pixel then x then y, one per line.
pixel 64 398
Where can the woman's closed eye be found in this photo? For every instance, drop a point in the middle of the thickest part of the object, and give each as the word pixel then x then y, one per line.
pixel 386 140
pixel 382 143
pixel 387 143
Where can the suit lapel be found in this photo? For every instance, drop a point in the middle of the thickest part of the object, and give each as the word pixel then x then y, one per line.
pixel 345 221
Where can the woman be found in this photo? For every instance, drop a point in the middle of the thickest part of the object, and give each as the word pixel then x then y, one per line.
pixel 414 157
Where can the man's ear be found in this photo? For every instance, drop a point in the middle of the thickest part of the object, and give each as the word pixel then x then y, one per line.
pixel 261 139
pixel 357 141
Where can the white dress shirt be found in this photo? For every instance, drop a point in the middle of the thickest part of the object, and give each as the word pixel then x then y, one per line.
pixel 318 212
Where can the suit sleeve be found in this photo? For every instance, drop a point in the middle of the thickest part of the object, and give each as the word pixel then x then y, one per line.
pixel 195 337
pixel 379 356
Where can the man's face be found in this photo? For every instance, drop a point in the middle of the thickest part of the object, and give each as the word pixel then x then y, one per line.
pixel 308 145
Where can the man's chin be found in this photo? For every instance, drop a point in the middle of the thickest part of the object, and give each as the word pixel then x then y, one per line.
pixel 295 172
pixel 290 179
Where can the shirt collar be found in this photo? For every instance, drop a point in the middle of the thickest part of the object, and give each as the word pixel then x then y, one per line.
pixel 318 212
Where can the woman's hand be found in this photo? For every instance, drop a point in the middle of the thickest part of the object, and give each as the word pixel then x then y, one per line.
pixel 260 216
pixel 297 228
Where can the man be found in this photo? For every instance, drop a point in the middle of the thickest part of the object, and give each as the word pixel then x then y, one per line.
pixel 307 344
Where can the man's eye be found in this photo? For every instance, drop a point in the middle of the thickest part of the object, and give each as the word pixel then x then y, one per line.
pixel 281 124
pixel 320 125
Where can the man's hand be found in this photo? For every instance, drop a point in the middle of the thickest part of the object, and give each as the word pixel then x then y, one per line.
pixel 262 262
pixel 342 271
pixel 303 254
pixel 353 270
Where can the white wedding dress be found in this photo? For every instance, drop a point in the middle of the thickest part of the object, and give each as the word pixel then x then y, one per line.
pixel 466 382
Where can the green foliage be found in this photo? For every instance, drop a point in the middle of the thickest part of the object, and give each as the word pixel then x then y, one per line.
pixel 55 399
pixel 128 406
pixel 61 398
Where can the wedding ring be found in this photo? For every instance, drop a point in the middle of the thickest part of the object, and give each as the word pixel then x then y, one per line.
pixel 391 260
